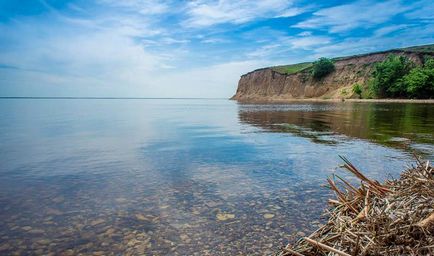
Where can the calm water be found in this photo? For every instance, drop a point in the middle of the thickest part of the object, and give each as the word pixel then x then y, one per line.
pixel 185 177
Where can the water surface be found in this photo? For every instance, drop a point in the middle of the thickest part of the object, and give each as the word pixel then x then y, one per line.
pixel 185 177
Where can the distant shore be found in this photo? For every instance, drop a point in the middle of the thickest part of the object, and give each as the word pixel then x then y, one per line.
pixel 259 101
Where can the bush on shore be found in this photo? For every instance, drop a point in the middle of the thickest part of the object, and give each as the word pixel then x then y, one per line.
pixel 357 89
pixel 399 77
pixel 419 82
pixel 388 76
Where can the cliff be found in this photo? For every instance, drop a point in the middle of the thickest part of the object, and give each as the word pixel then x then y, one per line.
pixel 274 84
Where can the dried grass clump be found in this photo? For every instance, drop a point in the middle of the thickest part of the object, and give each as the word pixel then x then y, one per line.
pixel 394 218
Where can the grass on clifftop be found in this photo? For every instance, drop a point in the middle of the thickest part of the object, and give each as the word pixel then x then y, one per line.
pixel 291 69
pixel 294 68
pixel 423 48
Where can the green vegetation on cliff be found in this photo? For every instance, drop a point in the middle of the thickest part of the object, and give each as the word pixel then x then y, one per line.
pixel 420 81
pixel 397 73
pixel 399 77
pixel 388 74
pixel 357 89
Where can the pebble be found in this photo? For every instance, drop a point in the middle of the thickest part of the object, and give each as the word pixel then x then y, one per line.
pixel 212 204
pixel 183 237
pixel 52 211
pixel 225 216
pixel 26 228
pixel 58 199
pixel 141 217
pixel 97 222
pixel 301 233
pixel 4 247
pixel 68 252
pixel 121 200
pixel 43 241
pixel 110 231
pixel 268 215
pixel 36 231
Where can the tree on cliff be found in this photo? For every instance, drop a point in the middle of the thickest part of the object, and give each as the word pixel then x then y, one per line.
pixel 397 76
pixel 322 67
pixel 419 82
pixel 388 76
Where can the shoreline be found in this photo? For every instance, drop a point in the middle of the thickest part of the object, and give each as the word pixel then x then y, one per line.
pixel 307 100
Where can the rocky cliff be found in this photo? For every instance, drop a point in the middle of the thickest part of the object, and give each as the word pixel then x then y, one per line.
pixel 268 84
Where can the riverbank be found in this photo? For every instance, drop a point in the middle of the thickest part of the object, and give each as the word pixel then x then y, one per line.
pixel 344 74
pixel 308 100
pixel 393 218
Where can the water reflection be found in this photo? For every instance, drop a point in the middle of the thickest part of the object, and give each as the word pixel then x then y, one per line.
pixel 405 126
pixel 181 177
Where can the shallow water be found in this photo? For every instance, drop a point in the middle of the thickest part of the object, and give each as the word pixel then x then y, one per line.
pixel 185 177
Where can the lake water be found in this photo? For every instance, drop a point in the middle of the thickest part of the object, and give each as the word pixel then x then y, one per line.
pixel 186 177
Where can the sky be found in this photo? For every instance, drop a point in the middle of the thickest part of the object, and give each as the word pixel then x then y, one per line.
pixel 148 48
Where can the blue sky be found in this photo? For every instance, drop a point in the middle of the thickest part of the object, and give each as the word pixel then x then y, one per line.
pixel 148 48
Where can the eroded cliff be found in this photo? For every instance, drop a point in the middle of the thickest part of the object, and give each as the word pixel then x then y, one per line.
pixel 267 84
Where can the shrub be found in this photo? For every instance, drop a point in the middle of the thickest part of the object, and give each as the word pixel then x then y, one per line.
pixel 388 76
pixel 357 89
pixel 419 82
pixel 322 67
pixel 344 92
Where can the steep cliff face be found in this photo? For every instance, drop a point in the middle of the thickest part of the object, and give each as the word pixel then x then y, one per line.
pixel 268 85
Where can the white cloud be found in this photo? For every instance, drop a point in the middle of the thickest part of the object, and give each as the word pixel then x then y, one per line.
pixel 136 47
pixel 364 13
pixel 283 45
pixel 265 51
pixel 170 40
pixel 80 58
pixel 408 36
pixel 389 29
pixel 423 10
pixel 307 42
pixel 290 12
pixel 214 41
pixel 218 80
pixel 305 33
pixel 145 7
pixel 95 53
pixel 205 13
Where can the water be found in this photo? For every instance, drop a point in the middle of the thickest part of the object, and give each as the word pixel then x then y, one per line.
pixel 185 177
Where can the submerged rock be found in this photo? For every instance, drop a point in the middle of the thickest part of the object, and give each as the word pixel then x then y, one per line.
pixel 225 216
pixel 141 217
pixel 5 247
pixel 97 222
pixel 51 211
pixel 121 200
pixel 268 215
pixel 58 200
pixel 26 228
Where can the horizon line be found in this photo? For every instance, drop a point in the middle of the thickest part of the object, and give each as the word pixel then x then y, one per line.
pixel 108 98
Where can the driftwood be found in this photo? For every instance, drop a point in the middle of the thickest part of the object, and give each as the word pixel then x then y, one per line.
pixel 393 218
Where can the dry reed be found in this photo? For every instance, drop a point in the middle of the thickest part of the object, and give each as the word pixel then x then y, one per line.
pixel 393 218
